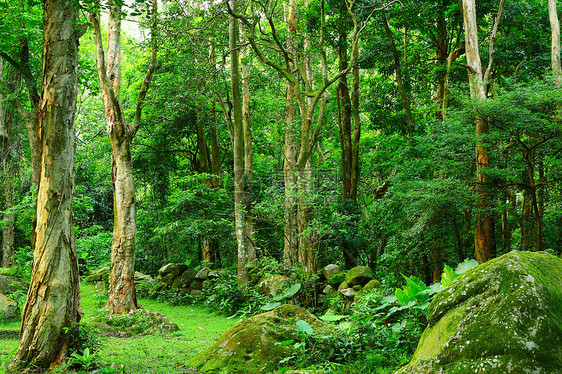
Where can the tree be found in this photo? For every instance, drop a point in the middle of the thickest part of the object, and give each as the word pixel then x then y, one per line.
pixel 122 295
pixel 53 302
pixel 555 42
pixel 478 80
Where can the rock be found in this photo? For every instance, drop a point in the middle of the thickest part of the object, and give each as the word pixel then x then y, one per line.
pixel 203 274
pixel 140 277
pixel 10 284
pixel 359 275
pixel 504 316
pixel 214 274
pixel 197 285
pixel 101 287
pixel 141 321
pixel 343 285
pixel 175 269
pixel 269 284
pixel 373 284
pixel 250 346
pixel 348 293
pixel 9 310
pixel 336 279
pixel 195 293
pixel 330 270
pixel 100 275
pixel 184 281
pixel 357 288
pixel 326 290
pixel 167 280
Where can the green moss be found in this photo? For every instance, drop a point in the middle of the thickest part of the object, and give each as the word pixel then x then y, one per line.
pixel 508 309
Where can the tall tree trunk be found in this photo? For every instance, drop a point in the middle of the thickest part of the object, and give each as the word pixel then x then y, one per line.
pixel 398 71
pixel 555 42
pixel 238 149
pixel 483 225
pixel 355 165
pixel 248 148
pixel 53 301
pixel 441 55
pixel 9 169
pixel 122 294
pixel 345 116
pixel 290 249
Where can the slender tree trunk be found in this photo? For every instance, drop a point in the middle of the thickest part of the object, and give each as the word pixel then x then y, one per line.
pixel 122 294
pixel 53 302
pixel 238 148
pixel 248 148
pixel 290 249
pixel 345 117
pixel 398 71
pixel 355 165
pixel 441 55
pixel 204 159
pixel 9 169
pixel 483 230
pixel 555 42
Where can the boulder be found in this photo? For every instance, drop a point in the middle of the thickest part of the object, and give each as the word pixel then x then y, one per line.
pixel 184 281
pixel 175 269
pixel 373 284
pixel 9 310
pixel 196 285
pixel 329 270
pixel 269 285
pixel 203 274
pixel 251 346
pixel 140 277
pixel 336 279
pixel 100 275
pixel 504 316
pixel 10 284
pixel 360 275
pixel 214 274
pixel 141 321
pixel 348 293
pixel 343 285
pixel 326 290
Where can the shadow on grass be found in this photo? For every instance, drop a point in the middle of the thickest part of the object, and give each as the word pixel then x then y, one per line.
pixel 9 335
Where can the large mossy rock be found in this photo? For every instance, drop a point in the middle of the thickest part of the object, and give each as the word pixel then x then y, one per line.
pixel 504 316
pixel 174 269
pixel 9 310
pixel 359 275
pixel 269 285
pixel 10 284
pixel 250 346
pixel 141 321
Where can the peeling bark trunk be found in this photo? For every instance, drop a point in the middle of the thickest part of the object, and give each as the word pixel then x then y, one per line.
pixel 238 149
pixel 290 249
pixel 248 149
pixel 122 294
pixel 483 225
pixel 53 302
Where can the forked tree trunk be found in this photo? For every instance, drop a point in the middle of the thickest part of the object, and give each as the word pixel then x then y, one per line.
pixel 483 225
pixel 122 294
pixel 53 301
pixel 238 149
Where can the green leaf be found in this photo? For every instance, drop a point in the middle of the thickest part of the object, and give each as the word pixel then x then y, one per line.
pixel 270 306
pixel 304 327
pixel 291 291
pixel 401 296
pixel 448 276
pixel 466 265
pixel 333 318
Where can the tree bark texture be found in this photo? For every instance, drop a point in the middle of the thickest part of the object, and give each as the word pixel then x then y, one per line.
pixel 53 302
pixel 555 42
pixel 238 149
pixel 483 225
pixel 122 295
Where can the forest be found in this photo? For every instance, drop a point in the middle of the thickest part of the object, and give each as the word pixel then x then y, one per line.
pixel 239 158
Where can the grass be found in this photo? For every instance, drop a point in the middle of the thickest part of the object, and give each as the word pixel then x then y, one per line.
pixel 199 328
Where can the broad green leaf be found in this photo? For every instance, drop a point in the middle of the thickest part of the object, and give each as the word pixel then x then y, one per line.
pixel 270 306
pixel 448 276
pixel 466 265
pixel 304 327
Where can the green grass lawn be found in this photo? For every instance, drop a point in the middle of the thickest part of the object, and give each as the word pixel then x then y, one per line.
pixel 199 328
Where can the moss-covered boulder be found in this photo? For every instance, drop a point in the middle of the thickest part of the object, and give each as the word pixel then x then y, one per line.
pixel 250 346
pixel 174 269
pixel 373 284
pixel 330 270
pixel 360 275
pixel 336 279
pixel 184 280
pixel 100 275
pixel 141 321
pixel 269 285
pixel 9 310
pixel 504 316
pixel 10 284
